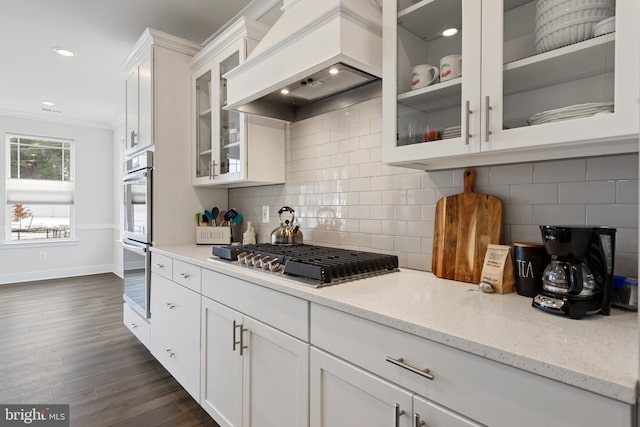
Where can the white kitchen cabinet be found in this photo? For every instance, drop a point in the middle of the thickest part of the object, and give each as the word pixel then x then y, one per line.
pixel 344 395
pixel 252 374
pixel 504 83
pixel 137 325
pixel 138 105
pixel 175 331
pixel 230 148
pixel 474 388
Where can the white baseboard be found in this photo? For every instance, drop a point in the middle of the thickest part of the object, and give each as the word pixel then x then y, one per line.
pixel 58 274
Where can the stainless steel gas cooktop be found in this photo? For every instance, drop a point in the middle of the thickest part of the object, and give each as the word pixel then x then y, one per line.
pixel 311 265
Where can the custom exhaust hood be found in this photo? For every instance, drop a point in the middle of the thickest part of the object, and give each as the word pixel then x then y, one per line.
pixel 318 56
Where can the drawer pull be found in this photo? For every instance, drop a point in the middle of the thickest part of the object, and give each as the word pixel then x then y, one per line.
pixel 417 421
pixel 169 352
pixel 400 362
pixel 398 414
pixel 184 275
pixel 158 265
pixel 169 305
pixel 134 326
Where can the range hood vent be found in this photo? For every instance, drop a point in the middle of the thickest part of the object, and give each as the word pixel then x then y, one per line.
pixel 319 56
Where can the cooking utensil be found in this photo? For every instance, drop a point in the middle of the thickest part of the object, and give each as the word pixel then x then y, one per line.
pixel 198 218
pixel 215 212
pixel 237 219
pixel 287 233
pixel 231 213
pixel 221 217
pixel 208 215
pixel 465 224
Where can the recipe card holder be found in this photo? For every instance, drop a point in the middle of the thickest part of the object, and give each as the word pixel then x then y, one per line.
pixel 213 235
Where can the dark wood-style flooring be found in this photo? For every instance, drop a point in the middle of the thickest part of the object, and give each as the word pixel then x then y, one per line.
pixel 63 341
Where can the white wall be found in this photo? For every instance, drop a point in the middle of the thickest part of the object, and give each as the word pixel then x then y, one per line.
pixel 116 208
pixel 345 196
pixel 94 212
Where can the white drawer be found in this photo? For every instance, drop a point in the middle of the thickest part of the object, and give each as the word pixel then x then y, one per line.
pixel 136 324
pixel 175 311
pixel 180 359
pixel 489 392
pixel 162 265
pixel 187 275
pixel 284 312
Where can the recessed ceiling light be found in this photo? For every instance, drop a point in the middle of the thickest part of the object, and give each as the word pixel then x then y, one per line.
pixel 450 32
pixel 284 91
pixel 48 103
pixel 62 51
pixel 334 71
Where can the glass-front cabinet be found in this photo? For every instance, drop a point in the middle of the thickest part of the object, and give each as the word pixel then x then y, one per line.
pixel 472 82
pixel 231 148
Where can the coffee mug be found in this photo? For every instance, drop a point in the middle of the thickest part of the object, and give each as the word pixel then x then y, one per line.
pixel 529 262
pixel 423 75
pixel 450 67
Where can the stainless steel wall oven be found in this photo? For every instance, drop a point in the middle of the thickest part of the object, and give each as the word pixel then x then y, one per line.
pixel 137 235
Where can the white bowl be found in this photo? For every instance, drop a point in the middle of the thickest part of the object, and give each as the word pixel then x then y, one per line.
pixel 545 5
pixel 605 26
pixel 577 12
pixel 565 35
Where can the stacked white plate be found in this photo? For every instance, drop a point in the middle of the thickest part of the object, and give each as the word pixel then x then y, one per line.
pixel 563 22
pixel 452 132
pixel 571 112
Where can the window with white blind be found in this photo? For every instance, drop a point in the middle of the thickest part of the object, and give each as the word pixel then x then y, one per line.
pixel 39 188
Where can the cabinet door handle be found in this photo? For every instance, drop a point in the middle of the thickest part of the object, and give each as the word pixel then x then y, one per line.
pixel 134 134
pixel 169 305
pixel 417 421
pixel 242 346
pixel 401 363
pixel 158 266
pixel 467 120
pixel 169 352
pixel 184 275
pixel 487 106
pixel 398 413
pixel 235 325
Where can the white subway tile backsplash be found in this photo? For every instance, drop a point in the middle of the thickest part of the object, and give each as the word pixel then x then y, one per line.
pixel 534 193
pixel 420 228
pixel 345 196
pixel 407 213
pixel 589 192
pixel 407 244
pixel 517 214
pixel 623 166
pixel 627 191
pixel 559 214
pixel 560 171
pixel 404 182
pixel 520 173
pixel 625 216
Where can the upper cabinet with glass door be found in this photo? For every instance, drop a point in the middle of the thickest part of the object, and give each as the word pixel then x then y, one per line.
pixel 231 148
pixel 536 81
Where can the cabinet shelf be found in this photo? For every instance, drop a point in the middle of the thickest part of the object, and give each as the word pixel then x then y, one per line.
pixel 433 97
pixel 206 113
pixel 205 153
pixel 591 57
pixel 428 18
pixel 231 145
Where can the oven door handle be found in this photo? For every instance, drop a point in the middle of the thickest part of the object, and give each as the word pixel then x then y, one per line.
pixel 138 176
pixel 142 250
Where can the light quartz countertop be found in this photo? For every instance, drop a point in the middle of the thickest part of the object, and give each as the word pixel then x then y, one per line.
pixel 597 353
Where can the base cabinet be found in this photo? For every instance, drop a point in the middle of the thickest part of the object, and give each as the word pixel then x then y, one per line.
pixel 175 341
pixel 136 324
pixel 252 374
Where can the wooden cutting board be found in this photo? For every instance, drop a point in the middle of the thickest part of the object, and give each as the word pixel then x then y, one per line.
pixel 464 225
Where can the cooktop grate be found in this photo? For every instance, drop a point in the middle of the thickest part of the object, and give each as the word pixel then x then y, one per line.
pixel 321 264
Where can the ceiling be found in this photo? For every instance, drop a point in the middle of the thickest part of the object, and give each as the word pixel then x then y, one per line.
pixel 89 87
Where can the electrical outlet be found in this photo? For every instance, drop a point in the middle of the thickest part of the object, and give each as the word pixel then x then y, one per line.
pixel 265 214
pixel 43 255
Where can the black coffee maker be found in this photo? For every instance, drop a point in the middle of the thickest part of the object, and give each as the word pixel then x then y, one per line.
pixel 578 280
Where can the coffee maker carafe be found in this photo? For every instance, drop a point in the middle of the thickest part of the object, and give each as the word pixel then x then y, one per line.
pixel 578 280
